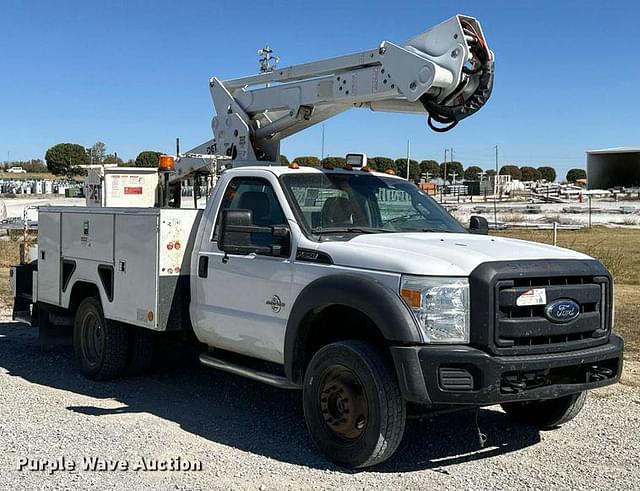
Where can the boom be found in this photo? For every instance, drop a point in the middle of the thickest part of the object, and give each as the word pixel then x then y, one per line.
pixel 445 72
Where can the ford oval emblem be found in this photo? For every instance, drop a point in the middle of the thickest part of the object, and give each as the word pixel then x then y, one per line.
pixel 563 310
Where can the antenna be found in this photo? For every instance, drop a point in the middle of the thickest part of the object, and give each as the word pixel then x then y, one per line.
pixel 267 61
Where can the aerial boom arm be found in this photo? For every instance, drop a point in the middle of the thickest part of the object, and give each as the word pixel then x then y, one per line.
pixel 445 73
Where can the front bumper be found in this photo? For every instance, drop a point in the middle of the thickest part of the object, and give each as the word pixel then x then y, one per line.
pixel 465 375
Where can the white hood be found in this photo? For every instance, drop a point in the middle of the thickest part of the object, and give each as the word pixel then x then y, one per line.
pixel 436 254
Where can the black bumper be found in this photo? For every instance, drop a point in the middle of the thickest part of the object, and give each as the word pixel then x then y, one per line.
pixel 465 375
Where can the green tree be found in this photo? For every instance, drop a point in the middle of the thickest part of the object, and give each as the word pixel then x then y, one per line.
pixel 490 172
pixel 574 174
pixel 380 163
pixel 452 167
pixel 148 158
pixel 337 162
pixel 97 153
pixel 511 170
pixel 284 160
pixel 530 173
pixel 472 173
pixel 430 166
pixel 307 161
pixel 414 170
pixel 547 173
pixel 113 159
pixel 65 159
pixel 400 166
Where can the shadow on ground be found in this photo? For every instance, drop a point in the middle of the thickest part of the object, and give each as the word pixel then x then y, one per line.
pixel 250 416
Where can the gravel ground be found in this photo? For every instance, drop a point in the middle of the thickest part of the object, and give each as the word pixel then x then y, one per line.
pixel 246 435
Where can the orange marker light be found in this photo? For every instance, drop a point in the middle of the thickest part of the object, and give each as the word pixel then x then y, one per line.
pixel 166 162
pixel 294 165
pixel 412 297
pixel 150 316
pixel 391 172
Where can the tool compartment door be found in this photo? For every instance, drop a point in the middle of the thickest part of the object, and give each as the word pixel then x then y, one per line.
pixel 136 270
pixel 49 261
pixel 88 236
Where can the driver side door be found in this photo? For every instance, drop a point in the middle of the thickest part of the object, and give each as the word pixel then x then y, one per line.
pixel 244 298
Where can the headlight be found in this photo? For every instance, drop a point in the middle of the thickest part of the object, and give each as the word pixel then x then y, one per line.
pixel 441 306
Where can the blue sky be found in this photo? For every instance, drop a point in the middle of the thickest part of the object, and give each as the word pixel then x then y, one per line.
pixel 134 74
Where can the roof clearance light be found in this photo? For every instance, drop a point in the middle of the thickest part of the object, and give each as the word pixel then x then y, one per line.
pixel 391 172
pixel 166 163
pixel 356 160
pixel 294 165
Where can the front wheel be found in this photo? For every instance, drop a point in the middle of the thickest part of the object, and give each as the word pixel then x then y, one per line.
pixel 352 404
pixel 101 346
pixel 548 413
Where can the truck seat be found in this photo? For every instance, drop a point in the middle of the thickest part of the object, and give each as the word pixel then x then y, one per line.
pixel 337 211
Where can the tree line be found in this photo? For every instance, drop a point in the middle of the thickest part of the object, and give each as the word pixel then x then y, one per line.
pixel 434 169
pixel 33 165
pixel 67 159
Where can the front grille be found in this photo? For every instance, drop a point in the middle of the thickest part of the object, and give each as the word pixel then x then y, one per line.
pixel 519 329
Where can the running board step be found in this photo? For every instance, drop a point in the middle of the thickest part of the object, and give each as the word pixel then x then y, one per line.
pixel 244 371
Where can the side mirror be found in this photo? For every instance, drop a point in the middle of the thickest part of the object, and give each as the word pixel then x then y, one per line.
pixel 478 225
pixel 231 240
pixel 238 235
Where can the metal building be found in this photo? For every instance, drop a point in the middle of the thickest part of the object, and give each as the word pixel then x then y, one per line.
pixel 613 167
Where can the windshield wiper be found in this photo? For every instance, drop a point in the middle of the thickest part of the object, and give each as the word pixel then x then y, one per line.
pixel 349 230
pixel 436 230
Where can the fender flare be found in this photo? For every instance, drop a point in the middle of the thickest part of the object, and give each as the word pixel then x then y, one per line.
pixel 383 306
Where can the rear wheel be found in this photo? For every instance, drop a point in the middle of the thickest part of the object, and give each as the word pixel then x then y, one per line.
pixel 352 404
pixel 548 413
pixel 101 346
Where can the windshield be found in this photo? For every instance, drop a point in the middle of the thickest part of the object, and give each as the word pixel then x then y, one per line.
pixel 332 204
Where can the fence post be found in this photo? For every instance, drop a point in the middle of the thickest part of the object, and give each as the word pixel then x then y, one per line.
pixel 555 233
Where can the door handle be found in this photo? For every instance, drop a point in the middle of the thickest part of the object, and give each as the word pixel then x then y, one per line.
pixel 203 266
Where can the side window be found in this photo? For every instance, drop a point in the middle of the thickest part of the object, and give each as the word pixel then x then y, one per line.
pixel 255 194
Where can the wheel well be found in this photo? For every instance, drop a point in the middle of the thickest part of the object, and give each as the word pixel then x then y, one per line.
pixel 330 324
pixel 80 291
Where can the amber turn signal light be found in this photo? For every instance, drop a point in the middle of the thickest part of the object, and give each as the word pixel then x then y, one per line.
pixel 412 297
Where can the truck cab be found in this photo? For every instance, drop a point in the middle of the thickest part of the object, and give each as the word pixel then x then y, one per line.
pixel 295 262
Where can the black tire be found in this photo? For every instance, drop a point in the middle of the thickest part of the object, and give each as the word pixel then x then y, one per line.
pixel 548 413
pixel 101 346
pixel 364 428
pixel 141 350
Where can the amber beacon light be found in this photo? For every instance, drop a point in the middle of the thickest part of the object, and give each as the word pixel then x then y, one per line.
pixel 166 162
